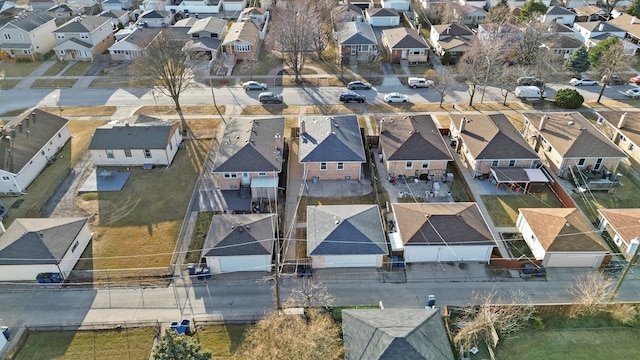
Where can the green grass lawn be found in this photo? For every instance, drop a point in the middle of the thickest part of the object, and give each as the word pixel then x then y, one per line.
pixel 222 340
pixel 112 344
pixel 78 69
pixel 18 69
pixel 626 196
pixel 503 209
pixel 53 83
pixel 199 236
pixel 56 68
pixel 576 339
pixel 8 84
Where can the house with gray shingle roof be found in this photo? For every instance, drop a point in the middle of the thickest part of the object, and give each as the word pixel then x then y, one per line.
pixel 623 227
pixel 205 37
pixel 63 12
pixel 390 334
pixel 331 148
pixel 486 141
pixel 132 42
pixel 83 37
pixel 27 145
pixel 565 140
pixel 561 237
pixel 405 44
pixel 118 17
pixel 355 39
pixel 558 15
pixel 136 142
pixel 452 38
pixel 592 32
pixel 28 35
pixel 441 232
pixel 623 128
pixel 250 156
pixel 240 243
pixel 156 18
pixel 412 145
pixel 346 12
pixel 345 236
pixel 46 245
pixel 561 46
pixel 382 17
pixel 117 5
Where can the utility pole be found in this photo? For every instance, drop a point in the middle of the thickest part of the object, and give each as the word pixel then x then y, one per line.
pixel 634 259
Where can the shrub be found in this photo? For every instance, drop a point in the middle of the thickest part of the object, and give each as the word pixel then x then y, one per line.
pixel 24 60
pixel 446 58
pixel 626 314
pixel 537 323
pixel 568 99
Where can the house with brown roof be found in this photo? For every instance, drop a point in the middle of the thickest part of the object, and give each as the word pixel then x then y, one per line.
pixel 452 38
pixel 241 42
pixel 589 12
pixel 623 128
pixel 623 227
pixel 412 145
pixel 565 140
pixel 562 237
pixel 254 14
pixel 440 232
pixel 486 141
pixel 346 12
pixel 405 44
pixel 630 24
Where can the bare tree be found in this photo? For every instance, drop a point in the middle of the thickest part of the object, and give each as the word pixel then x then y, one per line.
pixel 310 294
pixel 372 63
pixel 320 36
pixel 323 9
pixel 443 80
pixel 479 63
pixel 612 59
pixel 165 62
pixel 278 336
pixel 291 34
pixel 494 316
pixel 610 5
pixel 250 66
pixel 499 14
pixel 507 80
pixel 591 291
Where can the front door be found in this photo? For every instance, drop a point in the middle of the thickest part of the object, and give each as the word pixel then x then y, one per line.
pixel 246 181
pixel 404 54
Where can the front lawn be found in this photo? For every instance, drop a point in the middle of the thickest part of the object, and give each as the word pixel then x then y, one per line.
pixel 18 69
pixel 503 209
pixel 53 83
pixel 222 340
pixel 78 69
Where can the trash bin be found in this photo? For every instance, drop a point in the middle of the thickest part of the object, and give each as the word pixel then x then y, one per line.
pixel 528 268
pixel 56 278
pixel 174 326
pixel 184 327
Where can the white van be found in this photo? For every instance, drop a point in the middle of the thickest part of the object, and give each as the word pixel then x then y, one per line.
pixel 529 92
pixel 416 82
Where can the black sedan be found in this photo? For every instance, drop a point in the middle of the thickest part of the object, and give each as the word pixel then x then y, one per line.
pixel 348 96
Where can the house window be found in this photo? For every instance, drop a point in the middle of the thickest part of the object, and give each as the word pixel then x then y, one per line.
pixel 7 36
pixel 495 163
pixel 262 174
pixel 195 35
pixel 230 175
pixel 59 135
pixel 408 165
pixel 75 246
pixel 109 153
pixel 425 164
pixel 512 163
pixel 340 166
pixel 147 153
pixel 84 36
pixel 416 52
pixel 363 47
pixel 5 178
pixel 630 148
pixel 581 162
pixel 42 152
pixel 26 52
pixel 323 166
pixel 622 138
pixel 243 48
pixel 127 152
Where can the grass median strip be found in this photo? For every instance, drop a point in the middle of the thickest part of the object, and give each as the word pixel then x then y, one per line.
pixel 53 83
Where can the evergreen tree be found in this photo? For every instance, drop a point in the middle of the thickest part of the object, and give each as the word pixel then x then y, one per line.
pixel 532 8
pixel 175 346
pixel 578 62
pixel 596 52
pixel 634 9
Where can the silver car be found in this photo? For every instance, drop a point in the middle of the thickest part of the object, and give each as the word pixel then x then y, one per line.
pixel 254 85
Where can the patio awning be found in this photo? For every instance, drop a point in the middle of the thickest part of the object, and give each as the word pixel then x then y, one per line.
pixel 519 179
pixel 396 241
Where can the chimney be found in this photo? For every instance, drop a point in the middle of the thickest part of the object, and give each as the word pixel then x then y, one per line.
pixel 543 120
pixel 302 127
pixel 622 121
pixel 419 28
pixel 633 20
pixel 463 123
pixel 601 26
pixel 33 117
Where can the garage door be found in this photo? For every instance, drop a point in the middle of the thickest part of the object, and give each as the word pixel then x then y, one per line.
pixel 243 263
pixel 350 261
pixel 573 260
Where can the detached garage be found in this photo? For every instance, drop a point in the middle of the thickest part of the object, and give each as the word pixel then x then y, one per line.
pixel 240 243
pixel 345 236
pixel 561 237
pixel 33 246
pixel 441 232
pixel 382 17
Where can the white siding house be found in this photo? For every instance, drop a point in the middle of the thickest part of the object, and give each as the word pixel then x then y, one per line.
pixel 125 144
pixel 27 145
pixel 28 36
pixel 382 17
pixel 399 5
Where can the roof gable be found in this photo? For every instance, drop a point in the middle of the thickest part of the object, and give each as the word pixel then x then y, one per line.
pixel 244 31
pixel 626 222
pixel 30 21
pixel 238 235
pixel 403 38
pixel 84 24
pixel 356 33
pixel 413 138
pixel 149 135
pixel 381 12
pixel 330 139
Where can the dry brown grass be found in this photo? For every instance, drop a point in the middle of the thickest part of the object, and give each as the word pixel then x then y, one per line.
pixel 333 109
pixel 80 110
pixel 516 120
pixel 443 120
pixel 203 129
pixel 489 106
pixel 270 110
pixel 301 243
pixel 407 107
pixel 151 110
pixel 53 83
pixel 606 104
pixel 289 123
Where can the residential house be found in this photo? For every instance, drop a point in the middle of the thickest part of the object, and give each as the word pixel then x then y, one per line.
pixel 630 24
pixel 559 15
pixel 486 141
pixel 561 46
pixel 83 37
pixel 623 128
pixel 513 4
pixel 454 39
pixel 589 12
pixel 382 17
pixel 346 12
pixel 331 148
pixel 405 44
pixel 469 15
pixel 250 157
pixel 187 8
pixel 240 243
pixel 131 44
pixel 156 18
pixel 117 5
pixel 144 140
pixel 592 32
pixel 205 35
pixel 28 144
pixel 398 5
pixel 234 6
pixel 28 36
pixel 254 14
pixel 63 12
pixel 623 227
pixel 412 145
pixel 345 236
pixel 561 237
pixel 356 39
pixel 560 29
pixel 362 4
pixel 6 7
pixel 42 245
pixel 241 42
pixel 118 17
pixel 564 140
pixel 380 334
pixel 440 232
pixel 42 5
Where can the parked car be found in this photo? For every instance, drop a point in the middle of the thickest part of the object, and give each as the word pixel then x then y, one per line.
pixel 416 82
pixel 396 98
pixel 615 80
pixel 529 81
pixel 580 81
pixel 348 96
pixel 635 79
pixel 358 85
pixel 269 97
pixel 254 85
pixel 529 92
pixel 633 93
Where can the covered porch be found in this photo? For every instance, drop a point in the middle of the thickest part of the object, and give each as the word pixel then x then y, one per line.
pixel 518 180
